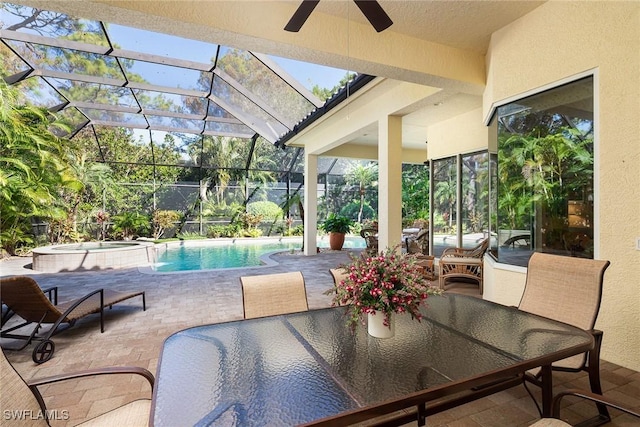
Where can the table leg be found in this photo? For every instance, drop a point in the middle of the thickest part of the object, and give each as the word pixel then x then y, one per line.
pixel 547 390
pixel 422 416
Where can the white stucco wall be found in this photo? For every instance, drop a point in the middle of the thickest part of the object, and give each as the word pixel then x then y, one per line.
pixel 554 42
pixel 462 134
pixel 504 284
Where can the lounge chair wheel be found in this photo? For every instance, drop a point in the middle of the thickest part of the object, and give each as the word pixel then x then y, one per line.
pixel 43 351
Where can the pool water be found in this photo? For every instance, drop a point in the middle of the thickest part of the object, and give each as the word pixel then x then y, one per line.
pixel 231 255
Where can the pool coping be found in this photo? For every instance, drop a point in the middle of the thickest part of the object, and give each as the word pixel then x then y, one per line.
pixel 72 257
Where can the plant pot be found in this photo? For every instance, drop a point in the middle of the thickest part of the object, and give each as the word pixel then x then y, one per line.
pixel 336 241
pixel 377 328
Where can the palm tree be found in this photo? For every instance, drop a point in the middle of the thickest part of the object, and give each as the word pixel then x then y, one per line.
pixel 84 182
pixel 363 176
pixel 445 193
pixel 223 155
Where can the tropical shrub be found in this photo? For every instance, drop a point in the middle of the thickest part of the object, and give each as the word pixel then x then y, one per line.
pixel 248 221
pixel 131 224
pixel 231 230
pixel 190 235
pixel 265 209
pixel 163 220
pixel 353 209
pixel 298 230
pixel 33 167
pixel 214 209
pixel 252 232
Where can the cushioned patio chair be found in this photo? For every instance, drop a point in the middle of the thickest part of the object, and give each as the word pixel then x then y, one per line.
pixel 24 298
pixel 418 244
pixel 23 399
pixel 464 263
pixel 273 294
pixel 338 274
pixel 568 289
pixel 370 236
pixel 596 398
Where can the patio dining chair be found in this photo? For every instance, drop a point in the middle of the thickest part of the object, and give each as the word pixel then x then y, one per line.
pixel 466 263
pixel 273 294
pixel 338 274
pixel 22 399
pixel 556 421
pixel 24 298
pixel 568 289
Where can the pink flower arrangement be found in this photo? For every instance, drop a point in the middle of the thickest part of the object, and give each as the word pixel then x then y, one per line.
pixel 387 283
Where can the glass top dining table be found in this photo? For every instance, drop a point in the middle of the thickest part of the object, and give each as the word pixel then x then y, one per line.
pixel 311 368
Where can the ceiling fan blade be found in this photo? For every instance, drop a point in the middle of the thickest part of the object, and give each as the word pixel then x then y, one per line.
pixel 375 14
pixel 300 16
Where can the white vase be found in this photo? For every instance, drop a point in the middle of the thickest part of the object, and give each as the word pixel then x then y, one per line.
pixel 376 326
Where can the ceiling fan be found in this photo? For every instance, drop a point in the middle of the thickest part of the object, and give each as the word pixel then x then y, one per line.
pixel 370 8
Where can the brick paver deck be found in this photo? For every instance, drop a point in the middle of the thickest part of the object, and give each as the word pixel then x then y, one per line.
pixel 179 300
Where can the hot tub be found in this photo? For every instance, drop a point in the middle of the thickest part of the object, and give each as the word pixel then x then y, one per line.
pixel 92 256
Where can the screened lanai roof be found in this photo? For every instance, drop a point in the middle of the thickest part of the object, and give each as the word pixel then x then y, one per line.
pixel 97 76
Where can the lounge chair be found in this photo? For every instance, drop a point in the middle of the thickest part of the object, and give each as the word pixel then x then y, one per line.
pixel 22 399
pixel 24 298
pixel 568 289
pixel 273 294
pixel 464 263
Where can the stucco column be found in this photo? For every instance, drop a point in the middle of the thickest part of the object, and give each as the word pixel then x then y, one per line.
pixel 389 181
pixel 310 203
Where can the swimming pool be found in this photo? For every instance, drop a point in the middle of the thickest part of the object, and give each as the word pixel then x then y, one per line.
pixel 229 253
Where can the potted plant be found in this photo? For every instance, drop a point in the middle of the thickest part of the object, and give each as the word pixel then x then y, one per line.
pixel 379 286
pixel 337 226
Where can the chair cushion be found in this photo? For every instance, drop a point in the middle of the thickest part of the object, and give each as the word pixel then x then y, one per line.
pixel 133 414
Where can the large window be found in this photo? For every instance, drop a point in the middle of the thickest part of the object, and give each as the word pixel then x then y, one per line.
pixel 444 190
pixel 474 200
pixel 544 176
pixel 460 201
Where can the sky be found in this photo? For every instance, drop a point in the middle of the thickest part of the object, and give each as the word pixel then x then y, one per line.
pixel 193 50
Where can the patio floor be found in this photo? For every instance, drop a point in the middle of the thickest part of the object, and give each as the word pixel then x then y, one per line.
pixel 180 300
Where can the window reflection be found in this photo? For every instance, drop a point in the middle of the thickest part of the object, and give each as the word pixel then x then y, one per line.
pixel 444 189
pixel 545 174
pixel 474 200
pixel 460 218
